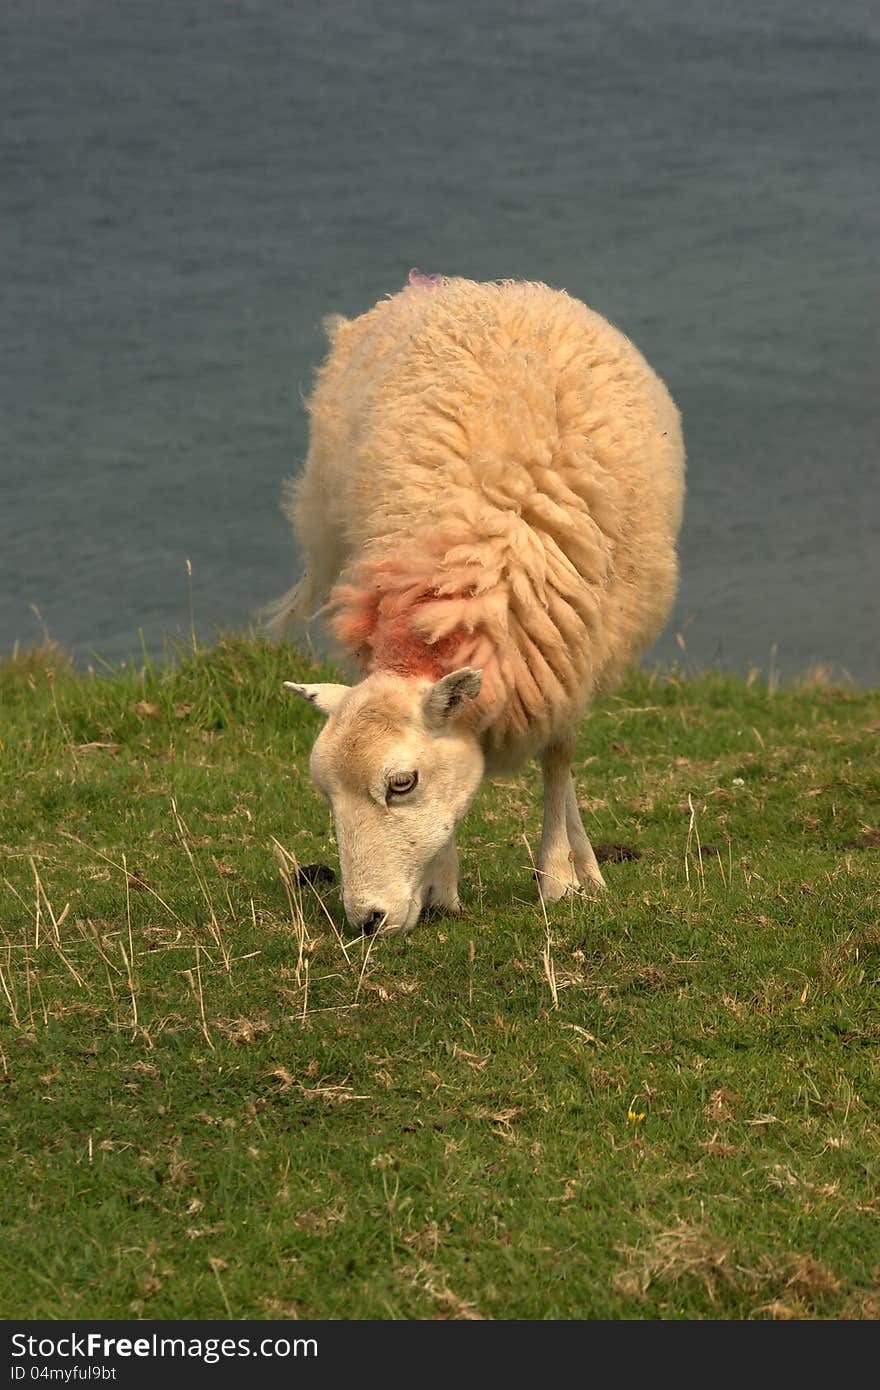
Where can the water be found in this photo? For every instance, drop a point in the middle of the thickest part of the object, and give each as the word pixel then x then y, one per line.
pixel 188 187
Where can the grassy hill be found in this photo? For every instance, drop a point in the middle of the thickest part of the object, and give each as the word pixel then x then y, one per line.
pixel 216 1103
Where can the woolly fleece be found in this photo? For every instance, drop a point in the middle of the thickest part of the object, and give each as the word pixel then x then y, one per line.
pixel 495 478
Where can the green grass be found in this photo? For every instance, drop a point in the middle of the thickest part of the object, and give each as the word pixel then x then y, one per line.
pixel 662 1104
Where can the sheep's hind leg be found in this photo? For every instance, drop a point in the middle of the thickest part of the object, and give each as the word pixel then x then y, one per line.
pixel 566 860
pixel 585 861
pixel 556 869
pixel 442 879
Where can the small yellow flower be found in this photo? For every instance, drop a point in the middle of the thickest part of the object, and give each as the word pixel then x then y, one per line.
pixel 635 1117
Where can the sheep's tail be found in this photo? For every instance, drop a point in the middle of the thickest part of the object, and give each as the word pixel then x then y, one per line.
pixel 296 603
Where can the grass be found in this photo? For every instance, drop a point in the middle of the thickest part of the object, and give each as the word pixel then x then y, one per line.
pixel 661 1104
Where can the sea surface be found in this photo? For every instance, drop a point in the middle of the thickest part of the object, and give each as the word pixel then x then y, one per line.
pixel 188 186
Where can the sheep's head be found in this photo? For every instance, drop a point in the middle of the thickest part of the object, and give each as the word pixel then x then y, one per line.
pixel 399 766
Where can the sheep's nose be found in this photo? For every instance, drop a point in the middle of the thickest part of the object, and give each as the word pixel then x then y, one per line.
pixel 372 921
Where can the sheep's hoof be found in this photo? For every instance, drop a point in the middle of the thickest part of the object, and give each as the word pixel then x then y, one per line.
pixel 552 888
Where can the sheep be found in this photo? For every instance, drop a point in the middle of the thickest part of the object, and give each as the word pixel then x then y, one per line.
pixel 488 514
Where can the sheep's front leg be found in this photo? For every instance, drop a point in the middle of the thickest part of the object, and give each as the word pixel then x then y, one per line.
pixel 442 879
pixel 565 860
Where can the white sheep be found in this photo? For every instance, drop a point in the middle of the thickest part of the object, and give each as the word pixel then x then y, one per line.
pixel 488 512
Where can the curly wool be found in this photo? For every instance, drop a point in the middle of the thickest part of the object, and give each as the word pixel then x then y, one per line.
pixel 495 479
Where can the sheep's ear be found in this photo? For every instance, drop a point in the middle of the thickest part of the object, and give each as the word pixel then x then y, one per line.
pixel 446 696
pixel 326 698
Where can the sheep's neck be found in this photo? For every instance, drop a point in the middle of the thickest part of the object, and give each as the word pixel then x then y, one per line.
pixel 381 630
pixel 396 647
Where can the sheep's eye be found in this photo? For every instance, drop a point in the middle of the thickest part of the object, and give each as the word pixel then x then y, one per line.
pixel 402 782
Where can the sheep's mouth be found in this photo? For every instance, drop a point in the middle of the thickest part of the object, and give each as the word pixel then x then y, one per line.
pixel 385 927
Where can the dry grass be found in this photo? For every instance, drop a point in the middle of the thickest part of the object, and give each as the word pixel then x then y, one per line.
pixel 686 1252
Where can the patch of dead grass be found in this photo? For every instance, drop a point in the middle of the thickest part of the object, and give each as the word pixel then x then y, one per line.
pixel 796 1284
pixel 721 1105
pixel 686 1251
pixel 242 1030
pixel 430 1280
pixel 810 1279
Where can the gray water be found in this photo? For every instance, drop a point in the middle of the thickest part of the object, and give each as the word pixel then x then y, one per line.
pixel 188 187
